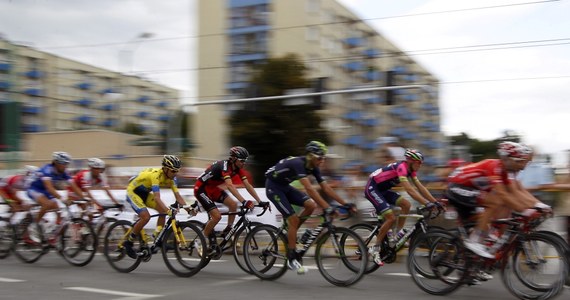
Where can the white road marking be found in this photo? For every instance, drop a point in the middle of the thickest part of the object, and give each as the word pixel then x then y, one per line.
pixel 10 280
pixel 398 274
pixel 126 295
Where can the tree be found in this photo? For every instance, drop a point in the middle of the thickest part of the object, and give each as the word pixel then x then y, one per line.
pixel 269 129
pixel 480 150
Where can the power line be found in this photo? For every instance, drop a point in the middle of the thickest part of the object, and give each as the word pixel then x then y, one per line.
pixel 150 40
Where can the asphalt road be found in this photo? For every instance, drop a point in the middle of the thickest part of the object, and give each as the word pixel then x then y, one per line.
pixel 52 278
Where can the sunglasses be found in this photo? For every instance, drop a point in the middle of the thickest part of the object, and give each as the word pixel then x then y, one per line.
pixel 318 157
pixel 243 160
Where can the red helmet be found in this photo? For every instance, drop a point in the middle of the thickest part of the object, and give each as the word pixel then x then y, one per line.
pixel 514 150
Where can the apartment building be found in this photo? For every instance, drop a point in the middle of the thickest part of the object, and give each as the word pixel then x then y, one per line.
pixel 59 94
pixel 337 46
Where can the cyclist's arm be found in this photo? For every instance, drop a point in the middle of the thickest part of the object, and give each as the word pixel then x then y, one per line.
pixel 232 188
pixel 331 193
pixel 77 190
pixel 313 193
pixel 251 190
pixel 412 191
pixel 179 198
pixel 91 197
pixel 508 197
pixel 108 191
pixel 524 195
pixel 48 184
pixel 423 190
pixel 158 199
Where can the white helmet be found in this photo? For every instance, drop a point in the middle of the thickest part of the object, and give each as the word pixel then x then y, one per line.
pixel 30 169
pixel 96 163
pixel 61 157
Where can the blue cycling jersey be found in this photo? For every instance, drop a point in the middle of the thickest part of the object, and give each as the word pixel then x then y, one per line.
pixel 48 172
pixel 290 169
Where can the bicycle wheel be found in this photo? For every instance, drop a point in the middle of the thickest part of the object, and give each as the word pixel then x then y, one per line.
pixel 538 268
pixel 78 242
pixel 265 252
pixel 364 231
pixel 436 263
pixel 27 242
pixel 184 257
pixel 114 250
pixel 6 237
pixel 239 242
pixel 339 256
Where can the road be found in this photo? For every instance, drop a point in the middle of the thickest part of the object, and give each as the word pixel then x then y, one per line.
pixel 52 278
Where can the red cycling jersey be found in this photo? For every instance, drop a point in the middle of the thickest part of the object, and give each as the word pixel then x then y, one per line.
pixel 84 180
pixel 218 172
pixel 11 184
pixel 483 175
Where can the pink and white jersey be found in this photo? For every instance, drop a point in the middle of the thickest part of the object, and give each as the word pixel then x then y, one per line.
pixel 389 176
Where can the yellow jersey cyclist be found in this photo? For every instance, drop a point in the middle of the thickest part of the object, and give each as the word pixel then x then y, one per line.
pixel 143 192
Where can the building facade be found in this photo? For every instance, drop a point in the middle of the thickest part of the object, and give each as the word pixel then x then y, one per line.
pixel 58 94
pixel 336 46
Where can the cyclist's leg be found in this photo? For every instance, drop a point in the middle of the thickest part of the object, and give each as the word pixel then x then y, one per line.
pixel 232 207
pixel 406 206
pixel 383 211
pixel 140 208
pixel 207 196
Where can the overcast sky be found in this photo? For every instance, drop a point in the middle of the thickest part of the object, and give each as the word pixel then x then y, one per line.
pixel 502 64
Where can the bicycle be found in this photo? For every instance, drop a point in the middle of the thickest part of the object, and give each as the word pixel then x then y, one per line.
pixel 103 219
pixel 181 242
pixel 533 264
pixel 390 247
pixel 74 238
pixel 234 239
pixel 336 252
pixel 6 230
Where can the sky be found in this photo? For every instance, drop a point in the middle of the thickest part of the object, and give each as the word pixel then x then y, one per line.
pixel 503 64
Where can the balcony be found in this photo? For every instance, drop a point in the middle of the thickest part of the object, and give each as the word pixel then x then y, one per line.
pixel 236 85
pixel 370 122
pixel 371 53
pixel 109 123
pixel 375 100
pixel 31 110
pixel 163 118
pixel 109 107
pixel 246 57
pixel 34 92
pixel 34 74
pixel 354 42
pixel 372 75
pixel 85 102
pixel 354 66
pixel 143 99
pixel 162 104
pixel 5 67
pixel 109 91
pixel 4 85
pixel 85 119
pixel 400 69
pixel 31 128
pixel 243 3
pixel 84 86
pixel 353 115
pixel 142 114
pixel 248 29
pixel 354 140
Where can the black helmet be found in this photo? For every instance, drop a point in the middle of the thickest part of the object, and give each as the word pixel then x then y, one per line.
pixel 317 148
pixel 171 162
pixel 239 152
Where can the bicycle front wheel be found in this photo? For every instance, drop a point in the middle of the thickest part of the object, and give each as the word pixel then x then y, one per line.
pixel 364 231
pixel 339 257
pixel 185 256
pixel 115 252
pixel 78 242
pixel 238 243
pixel 27 243
pixel 265 252
pixel 436 263
pixel 538 268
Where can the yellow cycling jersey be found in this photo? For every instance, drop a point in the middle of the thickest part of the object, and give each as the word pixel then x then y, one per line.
pixel 151 180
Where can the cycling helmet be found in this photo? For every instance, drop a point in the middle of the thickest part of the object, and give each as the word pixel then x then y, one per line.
pixel 413 154
pixel 171 162
pixel 61 157
pixel 514 150
pixel 316 148
pixel 239 152
pixel 96 163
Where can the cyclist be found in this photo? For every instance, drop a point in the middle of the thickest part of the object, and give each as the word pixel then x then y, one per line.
pixel 9 187
pixel 207 190
pixel 94 178
pixel 379 192
pixel 46 182
pixel 143 192
pixel 490 184
pixel 279 190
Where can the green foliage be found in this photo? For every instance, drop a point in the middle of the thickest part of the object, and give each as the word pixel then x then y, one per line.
pixel 481 150
pixel 268 129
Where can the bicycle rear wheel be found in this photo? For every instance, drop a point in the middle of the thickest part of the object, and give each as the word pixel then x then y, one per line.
pixel 27 245
pixel 436 263
pixel 184 257
pixel 78 242
pixel 364 231
pixel 6 237
pixel 114 250
pixel 339 257
pixel 538 268
pixel 239 242
pixel 265 252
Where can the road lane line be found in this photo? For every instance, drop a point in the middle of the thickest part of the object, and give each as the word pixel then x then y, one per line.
pixel 2 279
pixel 126 295
pixel 398 274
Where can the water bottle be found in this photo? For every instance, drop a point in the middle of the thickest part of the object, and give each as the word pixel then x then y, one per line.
pixel 305 236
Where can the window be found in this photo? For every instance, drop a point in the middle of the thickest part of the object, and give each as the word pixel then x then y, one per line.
pixel 312 33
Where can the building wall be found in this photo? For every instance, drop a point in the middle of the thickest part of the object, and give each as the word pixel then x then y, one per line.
pixel 334 43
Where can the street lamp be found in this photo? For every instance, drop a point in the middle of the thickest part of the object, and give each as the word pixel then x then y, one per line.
pixel 126 55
